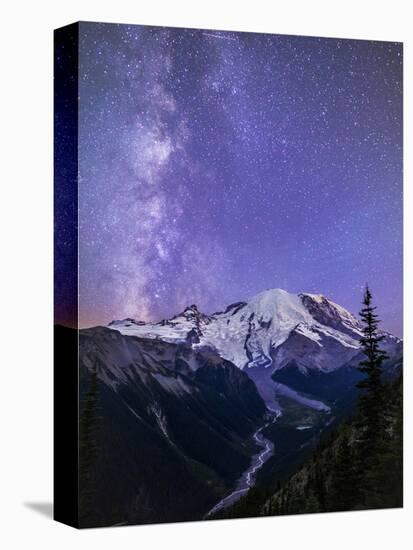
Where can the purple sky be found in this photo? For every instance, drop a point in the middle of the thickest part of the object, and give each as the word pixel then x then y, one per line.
pixel 216 165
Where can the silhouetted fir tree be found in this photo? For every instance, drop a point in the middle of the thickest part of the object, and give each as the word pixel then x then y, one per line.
pixel 312 504
pixel 89 425
pixel 307 487
pixel 285 501
pixel 371 420
pixel 344 490
pixel 296 501
pixel 397 458
pixel 389 469
pixel 398 484
pixel 319 487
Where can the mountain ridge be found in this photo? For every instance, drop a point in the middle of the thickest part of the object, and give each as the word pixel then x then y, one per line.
pixel 262 331
pixel 175 437
pixel 193 392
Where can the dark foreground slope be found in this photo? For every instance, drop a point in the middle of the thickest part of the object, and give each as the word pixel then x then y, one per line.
pixel 164 431
pixel 333 478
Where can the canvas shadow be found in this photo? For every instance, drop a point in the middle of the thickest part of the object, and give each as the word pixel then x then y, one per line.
pixel 43 508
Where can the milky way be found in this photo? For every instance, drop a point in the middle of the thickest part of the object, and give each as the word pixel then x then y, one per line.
pixel 215 165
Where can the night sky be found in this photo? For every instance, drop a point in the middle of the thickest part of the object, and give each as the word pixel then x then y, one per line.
pixel 215 165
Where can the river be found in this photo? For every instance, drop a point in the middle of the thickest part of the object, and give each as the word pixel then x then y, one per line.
pixel 247 480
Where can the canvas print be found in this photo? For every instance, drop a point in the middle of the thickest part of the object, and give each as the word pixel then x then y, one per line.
pixel 228 274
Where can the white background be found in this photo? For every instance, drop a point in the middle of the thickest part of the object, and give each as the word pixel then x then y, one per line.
pixel 26 272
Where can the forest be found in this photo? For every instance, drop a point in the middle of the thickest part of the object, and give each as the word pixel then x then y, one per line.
pixel 357 466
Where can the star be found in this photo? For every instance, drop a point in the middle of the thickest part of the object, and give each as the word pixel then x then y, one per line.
pixel 214 165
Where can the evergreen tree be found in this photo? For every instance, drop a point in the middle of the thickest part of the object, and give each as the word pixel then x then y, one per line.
pixel 344 494
pixel 371 402
pixel 312 504
pixel 397 481
pixel 319 486
pixel 389 471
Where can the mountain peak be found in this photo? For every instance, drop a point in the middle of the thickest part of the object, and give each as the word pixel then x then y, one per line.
pixel 128 321
pixel 316 297
pixel 286 308
pixel 327 312
pixel 264 331
pixel 192 308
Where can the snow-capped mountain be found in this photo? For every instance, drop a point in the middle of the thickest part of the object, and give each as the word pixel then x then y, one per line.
pixel 183 399
pixel 271 330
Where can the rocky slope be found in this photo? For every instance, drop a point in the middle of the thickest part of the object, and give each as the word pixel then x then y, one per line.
pixel 170 428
